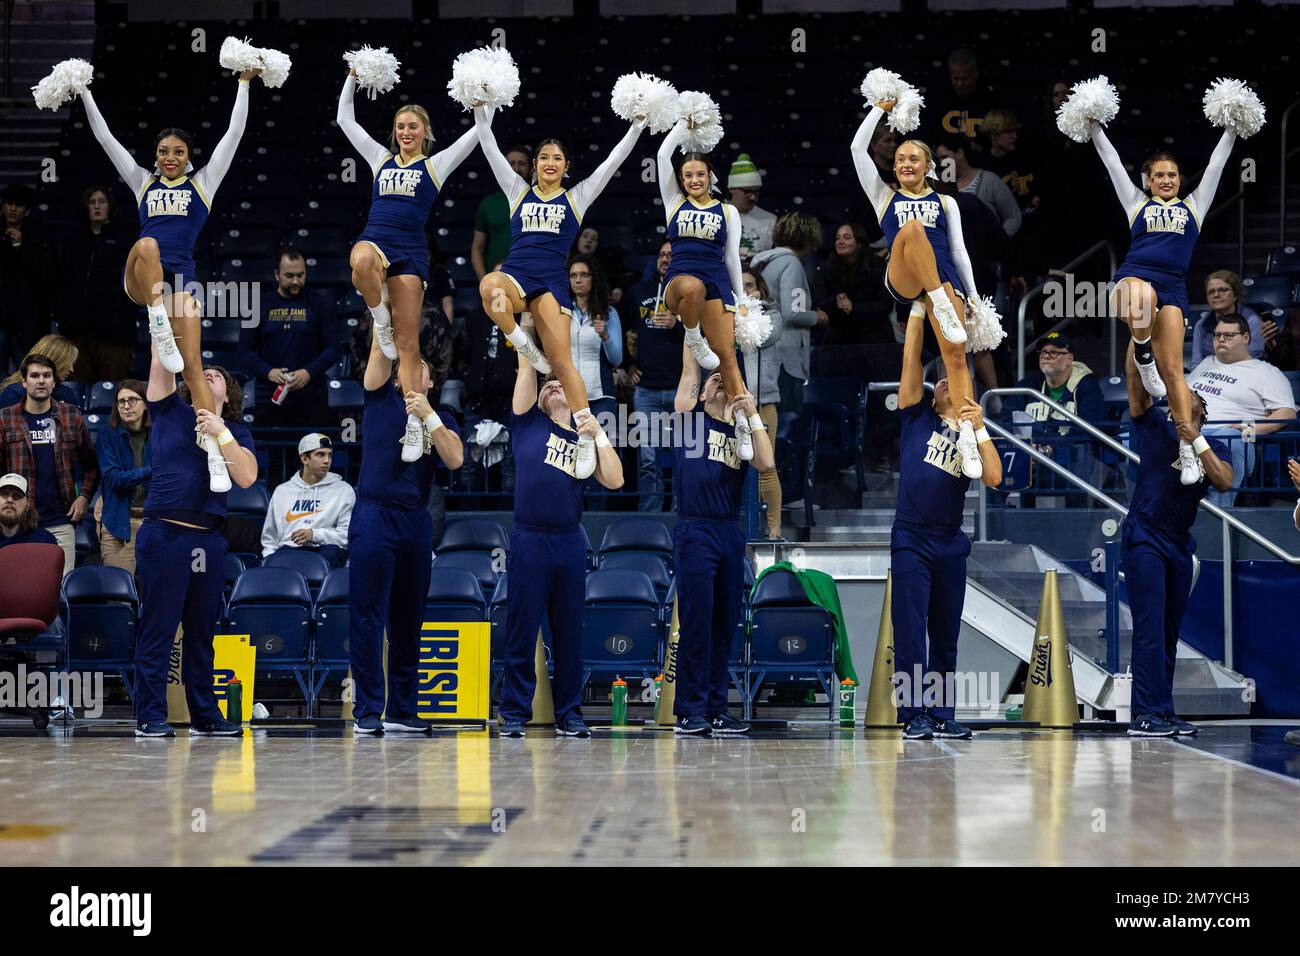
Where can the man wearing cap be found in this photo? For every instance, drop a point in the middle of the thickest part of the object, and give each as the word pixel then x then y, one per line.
pixel 17 517
pixel 26 276
pixel 756 224
pixel 313 509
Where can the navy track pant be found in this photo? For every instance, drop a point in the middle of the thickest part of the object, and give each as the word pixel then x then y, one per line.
pixel 1159 575
pixel 709 562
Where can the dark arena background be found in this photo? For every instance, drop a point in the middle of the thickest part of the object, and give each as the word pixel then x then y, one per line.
pixel 1061 598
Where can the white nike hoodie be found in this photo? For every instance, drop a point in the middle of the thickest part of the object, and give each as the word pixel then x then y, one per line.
pixel 325 507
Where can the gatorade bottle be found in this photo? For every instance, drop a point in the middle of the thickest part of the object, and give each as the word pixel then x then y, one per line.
pixel 848 701
pixel 659 687
pixel 235 701
pixel 618 714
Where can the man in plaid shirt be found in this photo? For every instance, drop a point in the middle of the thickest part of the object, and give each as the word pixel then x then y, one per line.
pixel 44 441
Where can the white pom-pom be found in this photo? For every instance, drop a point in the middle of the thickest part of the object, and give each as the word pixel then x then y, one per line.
pixel 1231 104
pixel 753 324
pixel 983 325
pixel 239 55
pixel 65 81
pixel 1090 101
pixel 704 122
pixel 881 84
pixel 640 96
pixel 486 76
pixel 275 67
pixel 376 70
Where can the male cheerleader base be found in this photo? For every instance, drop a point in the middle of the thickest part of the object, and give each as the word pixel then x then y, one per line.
pixel 927 547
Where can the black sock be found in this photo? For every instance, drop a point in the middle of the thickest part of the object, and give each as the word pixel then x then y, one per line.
pixel 1142 352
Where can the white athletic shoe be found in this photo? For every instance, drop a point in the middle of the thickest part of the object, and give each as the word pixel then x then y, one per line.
pixel 387 342
pixel 1190 470
pixel 160 330
pixel 1151 380
pixel 699 346
pixel 971 464
pixel 536 359
pixel 218 473
pixel 413 440
pixel 585 465
pixel 744 438
pixel 952 328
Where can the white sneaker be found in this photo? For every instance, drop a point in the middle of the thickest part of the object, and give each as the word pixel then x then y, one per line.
pixel 387 341
pixel 536 359
pixel 218 473
pixel 585 465
pixel 699 346
pixel 1151 380
pixel 952 328
pixel 1190 470
pixel 413 440
pixel 971 464
pixel 744 439
pixel 165 344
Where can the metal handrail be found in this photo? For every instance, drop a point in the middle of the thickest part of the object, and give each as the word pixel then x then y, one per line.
pixel 1281 224
pixel 1037 290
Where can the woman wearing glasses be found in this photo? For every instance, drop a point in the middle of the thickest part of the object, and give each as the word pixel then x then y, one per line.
pixel 124 463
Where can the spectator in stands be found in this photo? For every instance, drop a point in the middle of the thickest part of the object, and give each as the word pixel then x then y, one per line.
pixel 610 258
pixel 1224 292
pixel 44 440
pixel 27 280
pixel 595 334
pixel 126 466
pixel 17 517
pixel 92 310
pixel 764 367
pixel 489 385
pixel 962 106
pixel 953 152
pixel 1282 345
pixel 1005 158
pixel 756 224
pixel 1069 383
pixel 1246 398
pixel 295 342
pixel 60 351
pixel 795 235
pixel 654 344
pixel 492 219
pixel 313 509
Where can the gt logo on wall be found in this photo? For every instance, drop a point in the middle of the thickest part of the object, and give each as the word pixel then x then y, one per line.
pixel 455 661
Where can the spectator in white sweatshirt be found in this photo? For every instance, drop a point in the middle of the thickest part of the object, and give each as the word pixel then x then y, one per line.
pixel 312 510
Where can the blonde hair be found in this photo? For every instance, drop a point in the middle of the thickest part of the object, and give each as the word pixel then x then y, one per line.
pixel 423 116
pixel 58 350
pixel 923 146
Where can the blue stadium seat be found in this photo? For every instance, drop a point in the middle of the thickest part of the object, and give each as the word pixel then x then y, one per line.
pixel 649 535
pixel 1294 379
pixel 1114 395
pixel 102 608
pixel 1283 259
pixel 455 594
pixel 790 638
pixel 622 625
pixel 313 568
pixel 839 405
pixel 652 566
pixel 250 502
pixel 96 422
pixel 101 398
pixel 235 566
pixel 473 534
pixel 1275 290
pixel 221 334
pixel 476 563
pixel 346 395
pixel 80 391
pixel 333 624
pixel 274 607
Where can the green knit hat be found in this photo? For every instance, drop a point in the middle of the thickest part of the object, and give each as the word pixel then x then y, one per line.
pixel 744 174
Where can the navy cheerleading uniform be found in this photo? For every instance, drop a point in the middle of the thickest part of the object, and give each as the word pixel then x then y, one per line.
pixel 173 211
pixel 1163 233
pixel 705 236
pixel 543 227
pixel 402 194
pixel 180 568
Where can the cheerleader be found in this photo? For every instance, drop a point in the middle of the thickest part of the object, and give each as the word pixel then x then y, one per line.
pixel 174 204
pixel 708 546
pixel 180 551
pixel 390 260
pixel 704 274
pixel 1151 284
pixel 927 256
pixel 545 219
pixel 390 546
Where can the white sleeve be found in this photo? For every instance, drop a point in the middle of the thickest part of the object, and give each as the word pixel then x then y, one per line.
pixel 1204 195
pixel 669 191
pixel 133 175
pixel 338 535
pixel 209 178
pixel 372 152
pixel 1274 389
pixel 957 247
pixel 732 256
pixel 272 530
pixel 1130 197
pixel 1007 207
pixel 511 183
pixel 584 194
pixel 877 190
pixel 444 163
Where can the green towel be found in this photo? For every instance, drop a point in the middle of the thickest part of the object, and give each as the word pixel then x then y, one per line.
pixel 821 590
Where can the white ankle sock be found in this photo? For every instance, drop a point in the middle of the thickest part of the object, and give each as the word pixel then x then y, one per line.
pixel 381 315
pixel 519 338
pixel 157 316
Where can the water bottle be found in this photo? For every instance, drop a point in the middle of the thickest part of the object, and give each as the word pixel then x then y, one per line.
pixel 235 701
pixel 618 714
pixel 848 701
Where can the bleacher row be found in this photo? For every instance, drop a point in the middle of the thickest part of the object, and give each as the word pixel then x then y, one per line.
pixel 296 610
